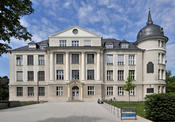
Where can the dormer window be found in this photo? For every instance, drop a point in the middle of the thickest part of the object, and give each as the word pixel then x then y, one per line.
pixel 43 47
pixel 124 45
pixel 32 45
pixel 109 45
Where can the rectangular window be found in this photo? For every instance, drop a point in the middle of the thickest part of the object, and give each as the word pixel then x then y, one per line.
pixel 159 75
pixel 30 76
pixel 131 59
pixel 159 89
pixel 120 59
pixel 30 60
pixel 75 43
pixel 90 58
pixel 109 74
pixel 109 46
pixel 19 75
pixel 41 75
pixel 60 75
pixel 158 43
pixel 75 74
pixel 132 74
pixel 90 74
pixel 41 91
pixel 91 90
pixel 120 74
pixel 19 60
pixel 159 58
pixel 120 91
pixel 41 60
pixel 124 45
pixel 163 89
pixel 109 91
pixel 59 90
pixel 62 43
pixel 75 58
pixel 30 91
pixel 109 59
pixel 59 59
pixel 131 92
pixel 87 42
pixel 150 90
pixel 19 91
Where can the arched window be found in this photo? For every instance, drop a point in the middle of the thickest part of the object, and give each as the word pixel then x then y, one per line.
pixel 150 67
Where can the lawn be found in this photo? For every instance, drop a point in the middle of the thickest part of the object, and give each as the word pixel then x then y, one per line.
pixel 139 106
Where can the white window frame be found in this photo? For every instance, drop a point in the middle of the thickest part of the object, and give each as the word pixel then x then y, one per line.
pixel 91 90
pixel 132 92
pixel 132 74
pixel 120 75
pixel 109 91
pixel 124 45
pixel 19 75
pixel 75 43
pixel 41 60
pixel 109 46
pixel 62 43
pixel 131 59
pixel 30 93
pixel 109 59
pixel 120 59
pixel 60 74
pixel 120 91
pixel 19 60
pixel 109 75
pixel 59 91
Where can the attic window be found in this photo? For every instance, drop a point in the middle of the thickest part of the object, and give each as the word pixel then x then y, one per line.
pixel 124 45
pixel 32 45
pixel 43 47
pixel 109 46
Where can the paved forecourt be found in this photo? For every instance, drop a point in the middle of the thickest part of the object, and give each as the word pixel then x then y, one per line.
pixel 60 112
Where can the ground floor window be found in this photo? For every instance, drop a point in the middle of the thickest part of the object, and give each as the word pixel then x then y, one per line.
pixel 109 90
pixel 120 91
pixel 30 91
pixel 91 90
pixel 19 91
pixel 150 90
pixel 132 92
pixel 41 91
pixel 159 89
pixel 59 90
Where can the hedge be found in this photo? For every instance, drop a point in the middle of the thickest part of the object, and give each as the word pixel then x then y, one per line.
pixel 160 107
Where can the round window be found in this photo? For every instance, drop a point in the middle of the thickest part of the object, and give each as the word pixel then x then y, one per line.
pixel 75 31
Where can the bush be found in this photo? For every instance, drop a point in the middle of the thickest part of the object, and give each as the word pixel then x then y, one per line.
pixel 160 107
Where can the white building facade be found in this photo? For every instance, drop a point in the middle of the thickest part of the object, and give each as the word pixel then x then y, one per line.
pixel 76 64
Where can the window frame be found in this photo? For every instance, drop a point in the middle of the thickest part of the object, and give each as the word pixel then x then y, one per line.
pixel 29 77
pixel 109 59
pixel 89 77
pixel 40 92
pixel 90 58
pixel 30 93
pixel 121 59
pixel 30 60
pixel 76 74
pixel 75 43
pixel 59 58
pixel 120 75
pixel 120 91
pixel 75 59
pixel 109 77
pixel 17 76
pixel 59 90
pixel 19 62
pixel 91 90
pixel 60 74
pixel 41 60
pixel 62 43
pixel 41 77
pixel 19 92
pixel 109 91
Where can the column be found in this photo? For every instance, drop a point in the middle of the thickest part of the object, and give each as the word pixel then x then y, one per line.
pixel 81 88
pixel 51 66
pixel 67 66
pixel 68 92
pixel 98 66
pixel 82 67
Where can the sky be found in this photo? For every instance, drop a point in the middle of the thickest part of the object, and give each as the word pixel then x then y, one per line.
pixel 120 19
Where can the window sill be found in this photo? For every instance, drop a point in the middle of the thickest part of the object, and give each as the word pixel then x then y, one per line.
pixel 19 81
pixel 19 65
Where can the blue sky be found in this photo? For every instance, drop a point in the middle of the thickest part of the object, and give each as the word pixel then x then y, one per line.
pixel 120 19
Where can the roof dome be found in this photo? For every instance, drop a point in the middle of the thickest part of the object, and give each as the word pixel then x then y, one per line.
pixel 150 30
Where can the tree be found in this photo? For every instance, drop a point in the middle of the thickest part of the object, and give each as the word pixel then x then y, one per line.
pixel 129 86
pixel 170 82
pixel 4 89
pixel 10 26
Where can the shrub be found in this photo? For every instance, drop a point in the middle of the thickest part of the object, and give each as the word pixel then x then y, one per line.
pixel 160 107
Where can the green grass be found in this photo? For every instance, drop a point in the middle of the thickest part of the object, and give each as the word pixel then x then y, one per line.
pixel 139 106
pixel 27 103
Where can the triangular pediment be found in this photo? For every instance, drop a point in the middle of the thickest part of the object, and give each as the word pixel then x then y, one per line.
pixel 75 31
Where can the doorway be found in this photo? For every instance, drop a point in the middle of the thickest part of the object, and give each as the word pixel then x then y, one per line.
pixel 75 93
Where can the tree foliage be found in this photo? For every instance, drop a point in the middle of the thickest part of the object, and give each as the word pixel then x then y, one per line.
pixel 10 26
pixel 4 89
pixel 170 82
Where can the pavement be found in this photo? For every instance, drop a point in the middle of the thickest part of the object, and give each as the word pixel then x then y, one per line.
pixel 62 112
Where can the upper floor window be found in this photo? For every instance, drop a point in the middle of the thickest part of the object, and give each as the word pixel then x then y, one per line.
pixel 120 91
pixel 30 75
pixel 109 90
pixel 60 75
pixel 132 92
pixel 30 60
pixel 75 43
pixel 90 58
pixel 90 75
pixel 109 45
pixel 109 59
pixel 124 45
pixel 62 43
pixel 30 91
pixel 41 75
pixel 120 74
pixel 19 91
pixel 19 60
pixel 19 75
pixel 132 74
pixel 150 67
pixel 91 90
pixel 75 58
pixel 41 60
pixel 41 91
pixel 131 59
pixel 120 59
pixel 59 90
pixel 161 43
pixel 87 42
pixel 59 58
pixel 75 74
pixel 109 74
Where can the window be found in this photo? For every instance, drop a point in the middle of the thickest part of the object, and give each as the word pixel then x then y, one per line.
pixel 62 43
pixel 19 60
pixel 120 91
pixel 163 56
pixel 124 45
pixel 163 89
pixel 159 58
pixel 41 75
pixel 59 58
pixel 59 90
pixel 87 42
pixel 41 91
pixel 131 92
pixel 150 67
pixel 159 89
pixel 109 59
pixel 109 74
pixel 131 59
pixel 132 74
pixel 150 90
pixel 121 59
pixel 158 43
pixel 75 58
pixel 90 75
pixel 109 91
pixel 19 91
pixel 41 60
pixel 159 74
pixel 19 75
pixel 75 74
pixel 30 91
pixel 30 76
pixel 90 58
pixel 120 74
pixel 60 75
pixel 109 46
pixel 30 60
pixel 75 43
pixel 91 90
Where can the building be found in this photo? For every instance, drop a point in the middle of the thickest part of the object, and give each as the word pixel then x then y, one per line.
pixel 76 64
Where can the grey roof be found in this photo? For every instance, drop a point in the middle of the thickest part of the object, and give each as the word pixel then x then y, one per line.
pixel 150 30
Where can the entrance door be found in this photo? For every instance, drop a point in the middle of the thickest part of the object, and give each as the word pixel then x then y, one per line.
pixel 75 93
